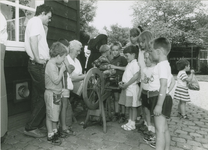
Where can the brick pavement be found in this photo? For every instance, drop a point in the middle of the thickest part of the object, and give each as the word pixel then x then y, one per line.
pixel 189 134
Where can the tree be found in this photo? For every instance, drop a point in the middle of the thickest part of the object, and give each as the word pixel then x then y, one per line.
pixel 87 13
pixel 180 21
pixel 117 33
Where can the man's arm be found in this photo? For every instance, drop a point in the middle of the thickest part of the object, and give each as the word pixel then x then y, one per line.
pixel 34 48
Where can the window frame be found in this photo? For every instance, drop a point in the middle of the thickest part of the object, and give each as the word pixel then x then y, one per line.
pixel 16 45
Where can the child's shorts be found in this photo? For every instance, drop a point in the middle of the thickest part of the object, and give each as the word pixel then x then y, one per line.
pixel 145 101
pixel 166 108
pixel 53 105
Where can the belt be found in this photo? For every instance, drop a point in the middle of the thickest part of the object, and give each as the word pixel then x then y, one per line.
pixel 35 63
pixel 150 93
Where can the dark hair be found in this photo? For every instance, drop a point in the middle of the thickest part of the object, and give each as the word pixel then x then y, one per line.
pixel 57 48
pixel 182 63
pixel 84 37
pixel 64 41
pixel 162 42
pixel 134 32
pixel 116 44
pixel 140 28
pixel 43 8
pixel 131 50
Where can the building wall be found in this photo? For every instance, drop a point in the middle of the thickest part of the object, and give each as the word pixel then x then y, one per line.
pixel 65 20
pixel 64 24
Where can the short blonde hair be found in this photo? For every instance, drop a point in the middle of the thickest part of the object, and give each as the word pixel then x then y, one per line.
pixel 104 48
pixel 75 44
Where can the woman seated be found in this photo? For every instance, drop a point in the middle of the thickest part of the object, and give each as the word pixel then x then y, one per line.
pixel 76 76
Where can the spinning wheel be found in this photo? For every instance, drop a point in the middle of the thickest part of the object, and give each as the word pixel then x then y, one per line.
pixel 94 94
pixel 92 88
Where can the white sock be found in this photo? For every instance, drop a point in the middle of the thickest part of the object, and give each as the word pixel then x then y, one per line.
pixel 55 130
pixel 50 134
pixel 133 123
pixel 152 129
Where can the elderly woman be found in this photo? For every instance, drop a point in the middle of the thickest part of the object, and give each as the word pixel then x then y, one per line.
pixel 76 76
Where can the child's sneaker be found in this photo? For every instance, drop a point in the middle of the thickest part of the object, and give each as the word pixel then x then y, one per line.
pixel 153 145
pixel 184 117
pixel 54 140
pixel 149 139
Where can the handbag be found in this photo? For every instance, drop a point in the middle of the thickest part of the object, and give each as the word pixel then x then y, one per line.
pixel 194 84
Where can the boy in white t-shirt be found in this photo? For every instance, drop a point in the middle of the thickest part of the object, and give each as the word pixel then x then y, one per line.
pixel 160 103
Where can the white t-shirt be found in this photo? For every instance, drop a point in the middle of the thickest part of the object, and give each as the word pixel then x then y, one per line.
pixel 78 68
pixel 147 77
pixel 131 69
pixel 181 78
pixel 3 29
pixel 161 71
pixel 35 28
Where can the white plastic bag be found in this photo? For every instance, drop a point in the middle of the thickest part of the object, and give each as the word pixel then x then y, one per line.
pixel 194 84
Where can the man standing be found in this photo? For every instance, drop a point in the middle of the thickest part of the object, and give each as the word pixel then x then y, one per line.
pixel 37 48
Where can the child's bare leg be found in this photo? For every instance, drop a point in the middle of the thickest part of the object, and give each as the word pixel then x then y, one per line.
pixel 147 116
pixel 63 113
pixel 183 107
pixel 167 138
pixel 160 125
pixel 49 125
pixel 134 113
pixel 54 125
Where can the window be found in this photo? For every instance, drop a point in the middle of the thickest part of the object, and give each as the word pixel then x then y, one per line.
pixel 17 13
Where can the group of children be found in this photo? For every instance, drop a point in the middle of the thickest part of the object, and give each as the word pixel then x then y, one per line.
pixel 148 65
pixel 145 62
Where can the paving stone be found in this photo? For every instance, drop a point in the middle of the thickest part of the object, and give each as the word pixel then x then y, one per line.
pixel 198 148
pixel 205 145
pixel 194 127
pixel 175 148
pixel 181 132
pixel 178 139
pixel 188 129
pixel 194 143
pixel 6 146
pixel 201 132
pixel 183 145
pixel 31 147
pixel 195 135
pixel 204 129
pixel 186 137
pixel 201 140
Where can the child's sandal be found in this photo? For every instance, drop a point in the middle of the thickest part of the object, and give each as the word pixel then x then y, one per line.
pixel 129 127
pixel 184 117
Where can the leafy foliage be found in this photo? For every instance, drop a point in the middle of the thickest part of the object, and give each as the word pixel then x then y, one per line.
pixel 117 33
pixel 87 13
pixel 181 21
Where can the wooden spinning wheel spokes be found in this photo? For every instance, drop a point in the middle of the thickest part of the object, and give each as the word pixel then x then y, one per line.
pixel 92 88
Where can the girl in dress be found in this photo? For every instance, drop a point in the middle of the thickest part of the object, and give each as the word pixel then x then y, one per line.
pixel 181 91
